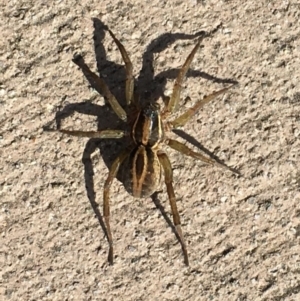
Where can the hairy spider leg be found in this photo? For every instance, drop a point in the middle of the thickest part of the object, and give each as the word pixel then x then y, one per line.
pixel 104 90
pixel 165 162
pixel 103 134
pixel 186 116
pixel 180 147
pixel 129 88
pixel 112 174
pixel 106 212
pixel 172 105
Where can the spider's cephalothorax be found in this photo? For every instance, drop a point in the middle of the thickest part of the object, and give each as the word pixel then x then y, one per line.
pixel 148 127
pixel 143 162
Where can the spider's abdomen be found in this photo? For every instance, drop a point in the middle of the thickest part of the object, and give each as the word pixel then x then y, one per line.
pixel 141 172
pixel 148 129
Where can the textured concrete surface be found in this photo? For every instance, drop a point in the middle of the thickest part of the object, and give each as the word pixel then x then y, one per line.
pixel 242 232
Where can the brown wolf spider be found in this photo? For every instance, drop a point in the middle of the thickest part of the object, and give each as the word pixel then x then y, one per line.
pixel 144 160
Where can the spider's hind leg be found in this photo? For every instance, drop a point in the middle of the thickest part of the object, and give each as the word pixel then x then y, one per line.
pixel 106 211
pixel 165 162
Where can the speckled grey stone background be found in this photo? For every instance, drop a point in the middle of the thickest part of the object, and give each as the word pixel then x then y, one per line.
pixel 242 233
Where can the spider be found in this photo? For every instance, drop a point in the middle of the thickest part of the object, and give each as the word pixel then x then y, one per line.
pixel 143 162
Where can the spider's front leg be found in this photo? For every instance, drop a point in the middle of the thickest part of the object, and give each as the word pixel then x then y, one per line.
pixel 101 87
pixel 165 162
pixel 129 89
pixel 172 105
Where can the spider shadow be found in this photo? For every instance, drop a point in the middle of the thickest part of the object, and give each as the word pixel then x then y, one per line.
pixel 147 85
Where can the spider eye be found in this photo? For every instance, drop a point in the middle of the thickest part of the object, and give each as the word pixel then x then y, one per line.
pixel 151 109
pixel 154 106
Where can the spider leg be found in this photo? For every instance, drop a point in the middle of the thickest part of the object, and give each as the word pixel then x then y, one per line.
pixel 185 117
pixel 174 100
pixel 102 86
pixel 165 162
pixel 180 147
pixel 103 134
pixel 106 212
pixel 128 67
